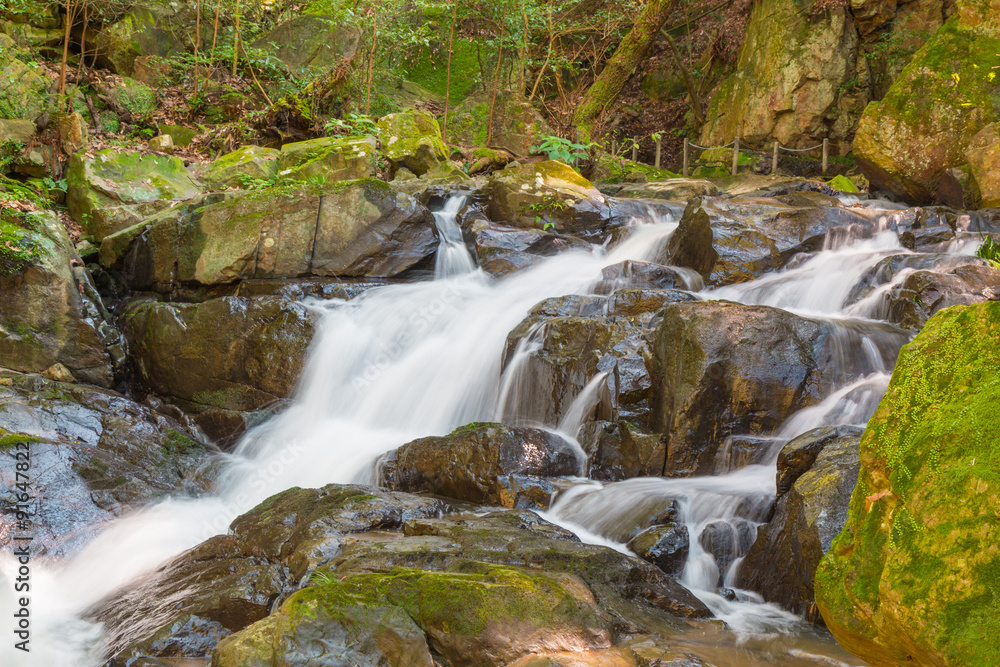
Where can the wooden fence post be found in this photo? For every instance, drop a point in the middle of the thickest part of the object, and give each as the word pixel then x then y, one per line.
pixel 736 155
pixel 686 144
pixel 826 155
pixel 659 143
pixel 635 150
pixel 774 159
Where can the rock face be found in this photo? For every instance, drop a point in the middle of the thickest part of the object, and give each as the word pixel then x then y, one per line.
pixel 516 123
pixel 151 28
pixel 111 191
pixel 983 154
pixel 350 229
pixel 94 453
pixel 220 358
pixel 812 510
pixel 50 312
pixel 309 44
pixel 328 160
pixel 912 577
pixel 721 368
pixel 479 463
pixel 241 167
pixel 732 241
pixel 24 91
pixel 548 195
pixel 928 118
pixel 792 79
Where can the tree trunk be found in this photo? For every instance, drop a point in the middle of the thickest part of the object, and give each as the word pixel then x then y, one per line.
pixel 621 65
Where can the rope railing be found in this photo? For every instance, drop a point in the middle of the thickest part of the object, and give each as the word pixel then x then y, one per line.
pixel 688 145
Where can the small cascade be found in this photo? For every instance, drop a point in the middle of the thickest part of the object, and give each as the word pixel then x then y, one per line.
pixel 453 257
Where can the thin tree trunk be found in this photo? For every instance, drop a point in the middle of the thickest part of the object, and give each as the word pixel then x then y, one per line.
pixel 621 65
pixel 236 38
pixel 215 37
pixel 371 62
pixel 197 42
pixel 70 15
pixel 688 79
pixel 496 84
pixel 447 81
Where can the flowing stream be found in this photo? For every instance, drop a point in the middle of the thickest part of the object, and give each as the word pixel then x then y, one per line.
pixel 410 360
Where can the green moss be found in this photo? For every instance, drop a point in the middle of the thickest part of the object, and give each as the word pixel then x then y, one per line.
pixel 921 548
pixel 176 442
pixel 843 184
pixel 18 248
pixel 429 68
pixel 9 441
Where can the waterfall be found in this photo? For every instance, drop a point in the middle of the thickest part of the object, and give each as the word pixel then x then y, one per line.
pixel 405 361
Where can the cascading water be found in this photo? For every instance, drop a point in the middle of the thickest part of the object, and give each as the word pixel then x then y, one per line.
pixel 406 361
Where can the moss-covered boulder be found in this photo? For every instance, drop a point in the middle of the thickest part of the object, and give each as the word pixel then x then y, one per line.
pixel 223 357
pixel 310 44
pixel 95 455
pixel 479 463
pixel 329 159
pixel 112 190
pixel 350 229
pixel 242 168
pixel 50 312
pixel 817 472
pixel 911 580
pixel 548 195
pixel 517 125
pixel 412 140
pixel 133 96
pixel 472 613
pixel 16 131
pixel 942 99
pixel 24 89
pixel 799 79
pixel 983 154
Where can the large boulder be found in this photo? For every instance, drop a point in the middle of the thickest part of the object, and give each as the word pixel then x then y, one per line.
pixel 479 463
pixel 942 99
pixel 328 159
pixel 548 195
pixel 983 154
pixel 799 79
pixel 732 241
pixel 109 190
pixel 94 454
pixel 782 562
pixel 50 312
pixel 149 28
pixel 924 293
pixel 269 552
pixel 243 167
pixel 912 578
pixel 721 368
pixel 350 229
pixel 222 358
pixel 24 89
pixel 310 44
pixel 412 140
pixel 504 250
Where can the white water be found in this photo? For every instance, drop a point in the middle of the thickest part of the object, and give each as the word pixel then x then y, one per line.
pixel 407 361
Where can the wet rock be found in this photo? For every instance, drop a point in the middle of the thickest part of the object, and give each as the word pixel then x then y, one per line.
pixel 645 275
pixel 937 237
pixel 726 541
pixel 781 564
pixel 111 190
pixel 94 455
pixel 505 250
pixel 720 369
pixel 907 535
pixel 664 546
pixel 472 613
pixel 231 355
pixel 232 581
pixel 732 241
pixel 549 195
pixel 888 269
pixel 799 455
pixel 478 463
pixel 50 312
pixel 620 451
pixel 983 154
pixel 412 140
pixel 924 293
pixel 614 657
pixel 351 229
pixel 674 189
